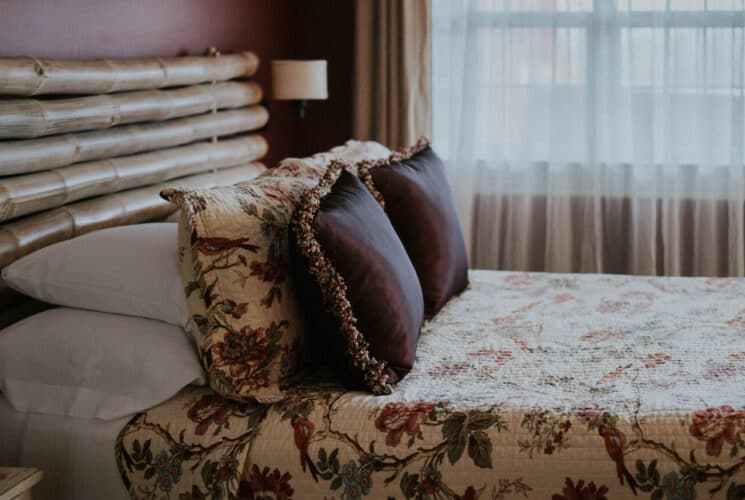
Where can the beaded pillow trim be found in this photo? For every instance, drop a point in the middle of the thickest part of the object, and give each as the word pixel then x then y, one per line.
pixel 332 284
pixel 364 167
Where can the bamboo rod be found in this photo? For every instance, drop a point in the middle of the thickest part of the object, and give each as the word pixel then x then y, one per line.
pixel 33 155
pixel 29 118
pixel 25 194
pixel 30 76
pixel 25 235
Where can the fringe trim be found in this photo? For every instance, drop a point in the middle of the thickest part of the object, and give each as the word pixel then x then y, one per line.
pixel 332 284
pixel 365 166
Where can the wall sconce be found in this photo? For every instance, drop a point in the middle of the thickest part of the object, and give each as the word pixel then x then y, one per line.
pixel 299 81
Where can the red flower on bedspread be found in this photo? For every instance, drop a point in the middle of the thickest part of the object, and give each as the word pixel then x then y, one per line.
pixel 397 418
pixel 208 410
pixel 504 320
pixel 520 279
pixel 657 359
pixel 605 335
pixel 563 297
pixel 246 354
pixel 720 282
pixel 266 484
pixel 581 491
pixel 630 302
pixel 737 356
pixel 717 426
pixel 738 323
pixel 498 356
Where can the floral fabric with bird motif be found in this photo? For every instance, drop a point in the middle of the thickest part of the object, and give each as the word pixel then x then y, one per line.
pixel 233 251
pixel 543 386
pixel 245 317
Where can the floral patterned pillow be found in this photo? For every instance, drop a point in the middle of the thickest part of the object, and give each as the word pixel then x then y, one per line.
pixel 350 152
pixel 244 313
pixel 233 250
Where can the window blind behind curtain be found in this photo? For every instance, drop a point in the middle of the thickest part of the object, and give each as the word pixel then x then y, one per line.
pixel 594 135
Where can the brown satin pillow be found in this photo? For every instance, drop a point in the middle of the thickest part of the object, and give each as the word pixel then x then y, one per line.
pixel 412 187
pixel 356 282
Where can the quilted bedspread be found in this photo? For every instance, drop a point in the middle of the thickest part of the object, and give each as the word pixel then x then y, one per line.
pixel 544 386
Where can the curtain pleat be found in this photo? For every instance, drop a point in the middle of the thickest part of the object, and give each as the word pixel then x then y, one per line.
pixel 392 78
pixel 594 135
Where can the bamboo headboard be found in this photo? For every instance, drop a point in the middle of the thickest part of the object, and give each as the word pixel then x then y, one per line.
pixel 89 144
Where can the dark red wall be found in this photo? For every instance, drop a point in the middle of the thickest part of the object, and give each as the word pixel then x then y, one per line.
pixel 273 29
pixel 324 29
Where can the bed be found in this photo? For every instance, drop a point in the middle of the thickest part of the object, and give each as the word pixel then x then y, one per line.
pixel 87 145
pixel 525 385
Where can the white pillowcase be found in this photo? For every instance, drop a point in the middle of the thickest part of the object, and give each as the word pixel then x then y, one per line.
pixel 94 365
pixel 131 270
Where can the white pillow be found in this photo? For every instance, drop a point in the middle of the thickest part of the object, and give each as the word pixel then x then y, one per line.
pixel 94 365
pixel 131 270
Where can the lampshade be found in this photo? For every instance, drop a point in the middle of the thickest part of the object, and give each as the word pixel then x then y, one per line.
pixel 299 80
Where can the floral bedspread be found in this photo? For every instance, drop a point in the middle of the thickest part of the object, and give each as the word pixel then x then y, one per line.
pixel 526 386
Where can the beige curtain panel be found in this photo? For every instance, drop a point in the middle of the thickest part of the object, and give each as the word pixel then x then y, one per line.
pixel 392 87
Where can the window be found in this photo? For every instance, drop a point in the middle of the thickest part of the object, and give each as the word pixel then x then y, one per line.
pixel 587 82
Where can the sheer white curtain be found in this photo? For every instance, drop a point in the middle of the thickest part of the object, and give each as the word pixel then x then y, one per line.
pixel 594 135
